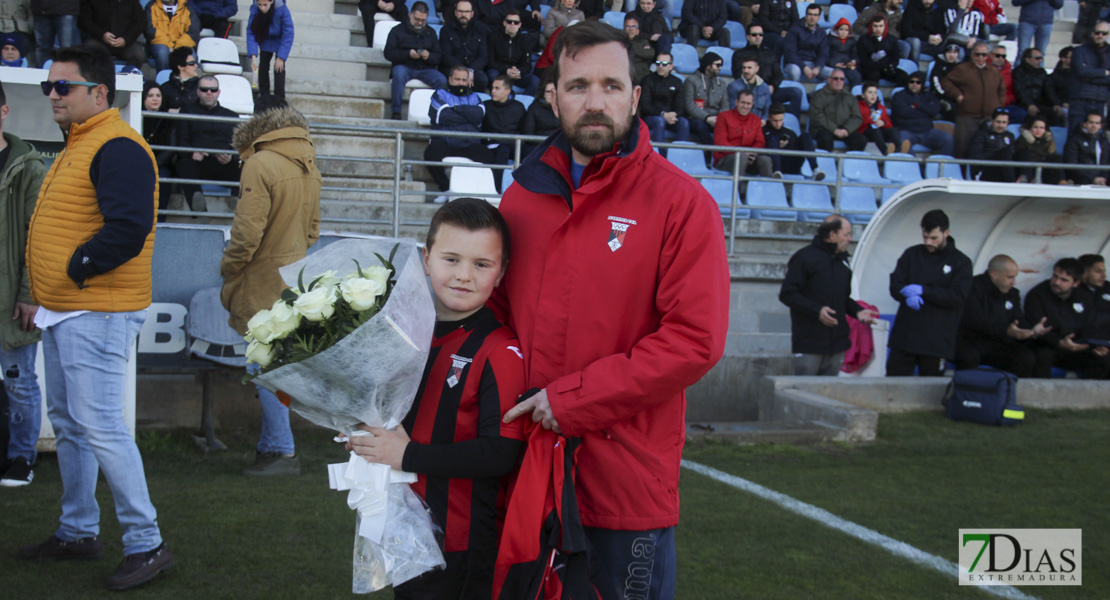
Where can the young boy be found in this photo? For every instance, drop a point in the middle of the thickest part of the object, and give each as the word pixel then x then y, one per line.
pixel 459 448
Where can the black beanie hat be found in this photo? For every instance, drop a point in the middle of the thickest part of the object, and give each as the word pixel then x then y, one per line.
pixel 708 59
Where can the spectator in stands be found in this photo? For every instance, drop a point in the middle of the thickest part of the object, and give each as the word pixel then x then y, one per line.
pixel 891 11
pixel 465 41
pixel 777 135
pixel 270 36
pixel 1090 12
pixel 993 142
pixel 643 53
pixel 965 26
pixel 561 15
pixel 878 54
pixel 653 25
pixel 216 135
pixel 913 111
pixel 705 20
pixel 11 51
pixel 54 19
pixel 413 48
pixel 998 61
pixel 661 104
pixel 977 89
pixel 510 52
pixel 493 14
pixel 456 108
pixel 180 89
pixel 1088 146
pixel 216 15
pixel 595 9
pixel 741 128
pixel 1069 310
pixel 769 69
pixel 776 17
pixel 1035 144
pixel 1063 81
pixel 1036 19
pixel 924 28
pixel 158 132
pixel 843 53
pixel 817 289
pixel 995 18
pixel 116 27
pixel 503 115
pixel 1090 64
pixel 276 220
pixel 540 117
pixel 704 96
pixel 1094 281
pixel 834 115
pixel 806 54
pixel 1033 89
pixel 396 10
pixel 170 24
pixel 15 18
pixel 876 125
pixel 942 66
pixel 930 282
pixel 993 330
pixel 748 79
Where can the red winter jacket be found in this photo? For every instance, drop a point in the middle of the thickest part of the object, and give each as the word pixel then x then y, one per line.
pixel 1007 71
pixel 991 9
pixel 619 293
pixel 734 130
pixel 865 112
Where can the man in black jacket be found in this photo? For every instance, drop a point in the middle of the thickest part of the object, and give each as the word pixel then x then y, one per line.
pixel 1094 281
pixel 116 27
pixel 762 52
pixel 1033 88
pixel 705 20
pixel 1087 146
pixel 992 141
pixel 510 53
pixel 817 289
pixel 222 166
pixel 1069 310
pixel 930 283
pixel 913 111
pixel 923 27
pixel 413 48
pixel 503 115
pixel 777 135
pixel 776 17
pixel 464 42
pixel 654 26
pixel 993 330
pixel 369 9
pixel 661 102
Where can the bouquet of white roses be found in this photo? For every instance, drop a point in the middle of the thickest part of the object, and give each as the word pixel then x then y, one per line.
pixel 351 349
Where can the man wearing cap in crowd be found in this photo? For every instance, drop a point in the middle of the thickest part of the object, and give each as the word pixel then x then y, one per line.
pixel 11 51
pixel 913 111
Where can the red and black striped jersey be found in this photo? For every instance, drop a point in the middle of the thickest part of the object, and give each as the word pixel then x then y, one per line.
pixel 460 448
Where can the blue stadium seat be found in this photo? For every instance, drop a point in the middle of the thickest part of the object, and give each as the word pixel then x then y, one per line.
pixel 805 98
pixel 933 170
pixel 690 160
pixel 1015 128
pixel 685 58
pixel 726 54
pixel 826 163
pixel 1060 136
pixel 614 18
pixel 790 122
pixel 902 172
pixel 721 190
pixel 737 37
pixel 524 99
pixel 162 77
pixel 812 197
pixel 770 193
pixel 506 179
pixel 859 200
pixel 907 66
pixel 862 170
pixel 544 8
pixel 839 11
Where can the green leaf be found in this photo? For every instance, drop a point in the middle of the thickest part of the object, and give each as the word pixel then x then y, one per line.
pixel 289 296
pixel 300 281
pixel 359 268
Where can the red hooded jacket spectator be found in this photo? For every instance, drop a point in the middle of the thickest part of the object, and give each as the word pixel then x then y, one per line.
pixel 741 132
pixel 865 111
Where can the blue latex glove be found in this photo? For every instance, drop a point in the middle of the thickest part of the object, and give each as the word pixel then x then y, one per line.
pixel 912 290
pixel 915 302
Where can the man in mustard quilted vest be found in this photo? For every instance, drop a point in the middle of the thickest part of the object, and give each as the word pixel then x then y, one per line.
pixel 88 256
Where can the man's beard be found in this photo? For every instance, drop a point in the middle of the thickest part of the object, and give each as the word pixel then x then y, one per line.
pixel 596 142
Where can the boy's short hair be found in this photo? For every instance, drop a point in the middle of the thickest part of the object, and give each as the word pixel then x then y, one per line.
pixel 933 219
pixel 471 214
pixel 778 108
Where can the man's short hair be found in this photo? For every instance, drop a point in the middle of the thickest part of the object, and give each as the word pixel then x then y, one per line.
pixel 419 7
pixel 470 2
pixel 179 56
pixel 835 71
pixel 208 77
pixel 471 214
pixel 93 63
pixel 745 93
pixel 507 81
pixel 1092 114
pixel 667 54
pixel 999 262
pixel 868 84
pixel 933 219
pixel 830 226
pixel 1070 266
pixel 588 34
pixel 777 108
pixel 457 68
pixel 1028 52
pixel 1065 51
pixel 1000 111
pixel 983 44
pixel 1090 260
pixel 813 7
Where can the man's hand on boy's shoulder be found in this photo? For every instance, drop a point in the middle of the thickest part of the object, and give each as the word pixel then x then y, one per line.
pixel 384 446
pixel 540 409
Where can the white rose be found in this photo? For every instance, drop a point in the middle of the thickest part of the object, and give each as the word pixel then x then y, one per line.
pixel 317 304
pixel 327 279
pixel 261 354
pixel 284 320
pixel 260 327
pixel 361 293
pixel 379 274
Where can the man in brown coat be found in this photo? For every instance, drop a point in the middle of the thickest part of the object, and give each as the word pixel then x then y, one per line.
pixel 276 220
pixel 977 89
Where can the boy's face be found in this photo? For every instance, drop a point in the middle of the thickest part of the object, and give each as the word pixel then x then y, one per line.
pixel 464 267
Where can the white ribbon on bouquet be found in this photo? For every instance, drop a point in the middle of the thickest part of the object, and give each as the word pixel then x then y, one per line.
pixel 368 485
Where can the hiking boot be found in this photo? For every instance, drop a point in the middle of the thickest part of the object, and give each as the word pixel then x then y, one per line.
pixel 139 568
pixel 19 473
pixel 818 175
pixel 272 464
pixel 57 549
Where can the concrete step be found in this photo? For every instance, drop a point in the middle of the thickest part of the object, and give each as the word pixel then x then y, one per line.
pixel 336 36
pixel 355 189
pixel 754 432
pixel 325 52
pixel 331 86
pixel 336 106
pixel 758 343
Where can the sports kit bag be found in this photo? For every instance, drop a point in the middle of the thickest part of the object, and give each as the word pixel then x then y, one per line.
pixel 986 396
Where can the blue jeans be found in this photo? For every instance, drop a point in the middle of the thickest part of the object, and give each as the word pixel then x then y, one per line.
pixel 666 7
pixel 791 97
pixel 161 56
pixel 1008 31
pixel 24 400
pixel 276 436
pixel 400 75
pixel 940 142
pixel 658 127
pixel 793 71
pixel 47 27
pixel 1026 31
pixel 86 361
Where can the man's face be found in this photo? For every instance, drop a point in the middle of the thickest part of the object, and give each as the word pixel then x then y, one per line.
pixel 1000 123
pixel 934 240
pixel 893 4
pixel 1004 280
pixel 750 69
pixel 1095 275
pixel 458 78
pixel 664 64
pixel 842 237
pixel 10 53
pixel 80 104
pixel 1101 31
pixel 836 81
pixel 418 20
pixel 512 25
pixel 1065 60
pixel 915 85
pixel 812 16
pixel 595 99
pixel 464 12
pixel 1061 284
pixel 755 36
pixel 1093 124
pixel 744 105
pixel 647 5
pixel 632 28
pixel 208 92
pixel 1035 60
pixel 877 28
pixel 776 121
pixel 998 57
pixel 189 69
pixel 713 69
pixel 928 3
pixel 499 91
pixel 979 56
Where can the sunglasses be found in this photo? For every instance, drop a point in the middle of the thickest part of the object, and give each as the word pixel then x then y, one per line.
pixel 915 81
pixel 62 86
pixel 836 78
pixel 756 34
pixel 209 90
pixel 1102 32
pixel 980 54
pixel 1000 56
pixel 662 63
pixel 508 22
pixel 190 63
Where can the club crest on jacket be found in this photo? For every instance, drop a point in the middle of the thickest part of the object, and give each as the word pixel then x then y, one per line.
pixel 618 232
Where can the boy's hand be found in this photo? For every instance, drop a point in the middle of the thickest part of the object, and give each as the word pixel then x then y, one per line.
pixel 386 446
pixel 540 409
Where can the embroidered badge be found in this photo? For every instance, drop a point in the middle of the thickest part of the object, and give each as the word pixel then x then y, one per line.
pixel 458 363
pixel 947 269
pixel 1078 307
pixel 618 232
pixel 1009 305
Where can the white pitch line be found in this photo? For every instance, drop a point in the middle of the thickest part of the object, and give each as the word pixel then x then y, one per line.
pixel 857 531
